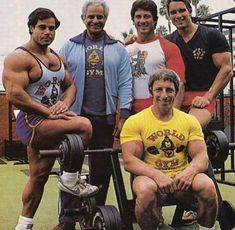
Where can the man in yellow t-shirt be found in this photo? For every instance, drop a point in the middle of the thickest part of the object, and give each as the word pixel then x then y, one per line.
pixel 156 144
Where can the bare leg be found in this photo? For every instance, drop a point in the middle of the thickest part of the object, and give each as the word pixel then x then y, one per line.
pixel 207 200
pixel 146 203
pixel 48 134
pixel 39 170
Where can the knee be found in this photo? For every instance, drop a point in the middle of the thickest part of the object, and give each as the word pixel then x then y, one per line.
pixel 207 191
pixel 145 194
pixel 84 126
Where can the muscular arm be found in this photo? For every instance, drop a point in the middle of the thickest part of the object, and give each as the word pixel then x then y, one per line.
pixel 15 80
pixel 199 164
pixel 223 62
pixel 132 152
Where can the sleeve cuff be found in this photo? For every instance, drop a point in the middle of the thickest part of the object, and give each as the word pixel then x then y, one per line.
pixel 125 113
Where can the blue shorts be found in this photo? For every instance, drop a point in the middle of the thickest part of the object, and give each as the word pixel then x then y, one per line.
pixel 25 126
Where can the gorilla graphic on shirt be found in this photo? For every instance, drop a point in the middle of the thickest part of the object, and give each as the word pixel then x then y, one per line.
pixel 168 148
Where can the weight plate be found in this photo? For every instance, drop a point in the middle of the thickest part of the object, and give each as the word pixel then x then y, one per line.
pixel 106 218
pixel 217 147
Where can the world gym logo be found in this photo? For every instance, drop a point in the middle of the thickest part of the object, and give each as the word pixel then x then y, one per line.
pixel 198 54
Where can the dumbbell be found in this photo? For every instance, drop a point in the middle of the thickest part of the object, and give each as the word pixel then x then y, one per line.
pixel 218 147
pixel 70 148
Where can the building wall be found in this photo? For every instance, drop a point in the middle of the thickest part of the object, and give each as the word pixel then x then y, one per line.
pixel 4 123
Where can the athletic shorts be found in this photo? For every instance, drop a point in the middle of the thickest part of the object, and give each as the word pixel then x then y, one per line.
pixel 190 95
pixel 140 104
pixel 25 126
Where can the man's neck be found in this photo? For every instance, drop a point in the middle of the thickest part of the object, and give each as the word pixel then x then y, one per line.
pixel 187 32
pixel 162 115
pixel 95 36
pixel 145 37
pixel 36 48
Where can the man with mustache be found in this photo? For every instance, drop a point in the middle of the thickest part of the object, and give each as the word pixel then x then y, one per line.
pixel 37 81
pixel 160 160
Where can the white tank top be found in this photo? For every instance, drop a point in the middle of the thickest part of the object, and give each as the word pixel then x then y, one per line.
pixel 47 89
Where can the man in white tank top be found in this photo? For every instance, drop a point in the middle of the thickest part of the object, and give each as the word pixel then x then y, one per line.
pixel 37 81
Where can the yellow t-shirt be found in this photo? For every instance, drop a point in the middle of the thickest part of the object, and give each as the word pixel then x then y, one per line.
pixel 165 143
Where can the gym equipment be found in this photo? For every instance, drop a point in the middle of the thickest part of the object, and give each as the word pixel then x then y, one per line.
pixel 218 147
pixel 72 146
pixel 229 212
pixel 107 217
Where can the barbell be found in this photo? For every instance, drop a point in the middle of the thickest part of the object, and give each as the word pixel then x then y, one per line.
pixel 72 146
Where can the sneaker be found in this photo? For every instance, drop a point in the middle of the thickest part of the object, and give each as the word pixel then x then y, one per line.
pixel 65 226
pixel 81 188
pixel 189 217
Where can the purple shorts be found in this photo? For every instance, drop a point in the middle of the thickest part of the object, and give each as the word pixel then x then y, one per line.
pixel 25 126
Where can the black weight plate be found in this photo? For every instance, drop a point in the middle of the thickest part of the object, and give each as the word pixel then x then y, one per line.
pixel 88 207
pixel 217 147
pixel 106 218
pixel 117 217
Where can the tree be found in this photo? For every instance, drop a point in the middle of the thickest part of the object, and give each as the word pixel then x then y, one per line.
pixel 125 34
pixel 163 12
pixel 203 10
pixel 195 4
pixel 162 30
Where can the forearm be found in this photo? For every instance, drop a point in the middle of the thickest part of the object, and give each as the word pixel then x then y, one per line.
pixel 69 95
pixel 199 163
pixel 24 102
pixel 138 167
pixel 222 78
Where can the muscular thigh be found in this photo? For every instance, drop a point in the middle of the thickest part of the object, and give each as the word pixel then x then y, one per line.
pixel 53 130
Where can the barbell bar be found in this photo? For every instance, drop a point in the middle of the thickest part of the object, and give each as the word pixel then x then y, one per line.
pixel 216 141
pixel 72 145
